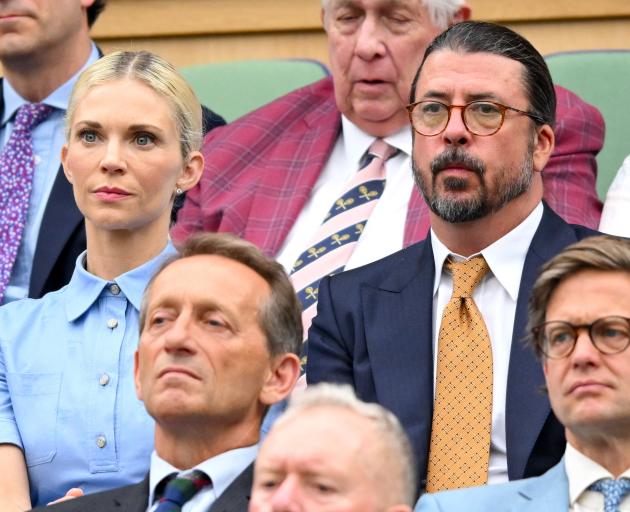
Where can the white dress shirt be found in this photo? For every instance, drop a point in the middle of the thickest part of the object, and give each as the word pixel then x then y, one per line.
pixel 222 470
pixel 496 297
pixel 581 473
pixel 616 214
pixel 384 232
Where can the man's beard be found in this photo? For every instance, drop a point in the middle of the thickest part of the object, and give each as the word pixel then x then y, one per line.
pixel 507 186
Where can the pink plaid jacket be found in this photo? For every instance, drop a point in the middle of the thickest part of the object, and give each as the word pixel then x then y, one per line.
pixel 261 168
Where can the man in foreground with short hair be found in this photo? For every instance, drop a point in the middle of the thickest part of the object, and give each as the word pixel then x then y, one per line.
pixel 580 318
pixel 332 452
pixel 434 332
pixel 220 329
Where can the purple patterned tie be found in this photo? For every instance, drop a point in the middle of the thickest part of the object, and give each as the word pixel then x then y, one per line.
pixel 16 177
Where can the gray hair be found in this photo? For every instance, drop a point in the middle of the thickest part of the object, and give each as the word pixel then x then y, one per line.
pixel 603 253
pixel 441 12
pixel 391 434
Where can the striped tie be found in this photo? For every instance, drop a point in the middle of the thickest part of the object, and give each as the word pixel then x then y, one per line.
pixel 339 233
pixel 181 489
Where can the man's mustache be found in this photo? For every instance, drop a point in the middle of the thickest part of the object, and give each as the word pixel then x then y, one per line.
pixel 457 157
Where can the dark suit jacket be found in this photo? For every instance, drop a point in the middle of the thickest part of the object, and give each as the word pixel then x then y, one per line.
pixel 260 169
pixel 373 330
pixel 135 498
pixel 62 233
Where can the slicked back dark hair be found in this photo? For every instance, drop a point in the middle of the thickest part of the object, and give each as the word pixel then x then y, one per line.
pixel 94 10
pixel 484 37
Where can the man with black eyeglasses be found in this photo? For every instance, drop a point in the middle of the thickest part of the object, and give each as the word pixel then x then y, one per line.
pixel 434 332
pixel 580 318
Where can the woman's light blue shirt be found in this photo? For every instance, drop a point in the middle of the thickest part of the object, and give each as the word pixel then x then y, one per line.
pixel 67 394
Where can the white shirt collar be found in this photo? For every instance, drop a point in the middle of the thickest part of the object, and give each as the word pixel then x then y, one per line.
pixel 505 257
pixel 222 469
pixel 582 472
pixel 356 142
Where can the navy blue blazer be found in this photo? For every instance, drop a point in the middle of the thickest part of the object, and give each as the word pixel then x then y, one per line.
pixel 373 330
pixel 62 233
pixel 135 498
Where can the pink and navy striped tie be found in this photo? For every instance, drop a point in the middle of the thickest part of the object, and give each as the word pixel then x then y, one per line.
pixel 181 489
pixel 338 235
pixel 16 179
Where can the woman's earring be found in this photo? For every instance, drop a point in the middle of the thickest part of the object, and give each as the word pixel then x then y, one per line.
pixel 178 191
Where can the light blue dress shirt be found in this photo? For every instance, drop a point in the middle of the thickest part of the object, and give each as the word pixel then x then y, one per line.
pixel 48 138
pixel 222 469
pixel 67 394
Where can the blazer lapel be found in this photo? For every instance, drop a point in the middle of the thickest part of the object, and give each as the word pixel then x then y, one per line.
pixel 61 219
pixel 137 498
pixel 290 174
pixel 236 497
pixel 398 332
pixel 546 493
pixel 527 407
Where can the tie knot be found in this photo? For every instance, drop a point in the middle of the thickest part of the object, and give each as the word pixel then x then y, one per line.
pixel 30 115
pixel 181 489
pixel 466 274
pixel 613 490
pixel 378 149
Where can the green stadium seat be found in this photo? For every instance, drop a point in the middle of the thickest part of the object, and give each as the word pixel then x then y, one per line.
pixel 602 78
pixel 233 89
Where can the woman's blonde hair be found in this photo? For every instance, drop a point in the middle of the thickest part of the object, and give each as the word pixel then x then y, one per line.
pixel 157 74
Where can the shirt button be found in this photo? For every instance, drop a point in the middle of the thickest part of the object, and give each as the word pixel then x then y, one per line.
pixel 37 159
pixel 103 380
pixel 112 323
pixel 115 289
pixel 101 441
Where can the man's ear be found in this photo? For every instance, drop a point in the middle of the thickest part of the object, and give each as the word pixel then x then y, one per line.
pixel 64 159
pixel 544 143
pixel 285 370
pixel 462 14
pixel 136 374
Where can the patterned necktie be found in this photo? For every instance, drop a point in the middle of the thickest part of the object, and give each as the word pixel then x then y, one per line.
pixel 462 414
pixel 613 490
pixel 181 489
pixel 339 233
pixel 16 179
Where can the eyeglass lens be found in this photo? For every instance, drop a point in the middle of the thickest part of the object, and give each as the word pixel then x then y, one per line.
pixel 610 335
pixel 480 117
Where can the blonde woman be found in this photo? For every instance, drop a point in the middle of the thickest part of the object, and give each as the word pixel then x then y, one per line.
pixel 69 416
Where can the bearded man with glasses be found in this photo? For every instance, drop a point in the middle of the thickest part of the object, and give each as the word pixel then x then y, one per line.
pixel 435 332
pixel 580 313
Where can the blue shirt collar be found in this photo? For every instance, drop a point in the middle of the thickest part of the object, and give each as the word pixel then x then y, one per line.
pixel 58 98
pixel 84 288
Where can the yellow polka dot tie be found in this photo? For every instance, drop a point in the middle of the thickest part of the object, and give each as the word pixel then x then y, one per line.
pixel 462 413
